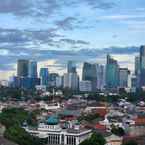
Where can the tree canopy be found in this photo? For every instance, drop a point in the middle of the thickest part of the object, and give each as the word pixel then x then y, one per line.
pixel 132 142
pixel 13 119
pixel 95 139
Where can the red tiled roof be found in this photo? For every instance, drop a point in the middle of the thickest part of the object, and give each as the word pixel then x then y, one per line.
pixel 100 126
pixel 101 111
pixel 140 121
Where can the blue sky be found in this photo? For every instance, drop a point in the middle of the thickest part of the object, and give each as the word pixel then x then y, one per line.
pixel 35 28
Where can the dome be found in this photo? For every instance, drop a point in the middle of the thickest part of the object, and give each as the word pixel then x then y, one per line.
pixel 52 120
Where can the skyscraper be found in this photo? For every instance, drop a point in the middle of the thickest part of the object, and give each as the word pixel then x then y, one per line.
pixel 44 76
pixel 142 66
pixel 137 65
pixel 59 81
pixel 90 74
pixel 137 70
pixel 133 82
pixel 52 79
pixel 22 68
pixel 71 67
pixel 112 73
pixel 123 77
pixel 71 81
pixel 33 69
pixel 100 77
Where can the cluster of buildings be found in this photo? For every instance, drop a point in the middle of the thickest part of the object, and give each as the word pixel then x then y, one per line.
pixel 60 123
pixel 28 78
pixel 95 77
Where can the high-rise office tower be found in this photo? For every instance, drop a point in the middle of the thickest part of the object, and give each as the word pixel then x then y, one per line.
pixel 52 79
pixel 133 82
pixel 44 76
pixel 142 66
pixel 100 76
pixel 112 73
pixel 137 70
pixel 71 81
pixel 123 77
pixel 59 81
pixel 71 67
pixel 137 65
pixel 90 74
pixel 33 69
pixel 22 68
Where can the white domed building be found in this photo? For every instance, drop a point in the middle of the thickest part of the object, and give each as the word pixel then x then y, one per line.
pixel 56 135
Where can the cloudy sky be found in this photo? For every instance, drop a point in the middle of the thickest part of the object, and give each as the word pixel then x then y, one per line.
pixel 54 31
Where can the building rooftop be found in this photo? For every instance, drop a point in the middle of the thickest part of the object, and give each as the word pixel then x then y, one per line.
pixel 76 131
pixel 52 120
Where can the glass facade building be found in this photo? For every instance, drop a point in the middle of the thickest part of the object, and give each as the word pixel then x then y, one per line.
pixel 90 74
pixel 33 69
pixel 123 77
pixel 44 76
pixel 112 73
pixel 22 68
pixel 71 67
pixel 142 66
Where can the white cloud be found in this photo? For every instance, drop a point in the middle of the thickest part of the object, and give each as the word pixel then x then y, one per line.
pixel 120 17
pixel 4 52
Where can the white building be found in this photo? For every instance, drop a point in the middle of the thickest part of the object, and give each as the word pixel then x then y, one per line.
pixel 85 86
pixel 71 81
pixel 40 88
pixel 58 136
pixel 52 106
pixel 4 83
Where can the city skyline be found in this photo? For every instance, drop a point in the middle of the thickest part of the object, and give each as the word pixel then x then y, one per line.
pixel 48 31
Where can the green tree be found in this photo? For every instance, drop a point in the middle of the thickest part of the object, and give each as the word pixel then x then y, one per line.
pixel 95 139
pixel 130 143
pixel 13 116
pixel 13 119
pixel 20 136
pixel 118 131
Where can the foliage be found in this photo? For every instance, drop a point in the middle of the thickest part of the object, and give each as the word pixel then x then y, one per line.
pixel 20 136
pixel 118 131
pixel 13 116
pixel 89 117
pixel 130 143
pixel 95 139
pixel 13 119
